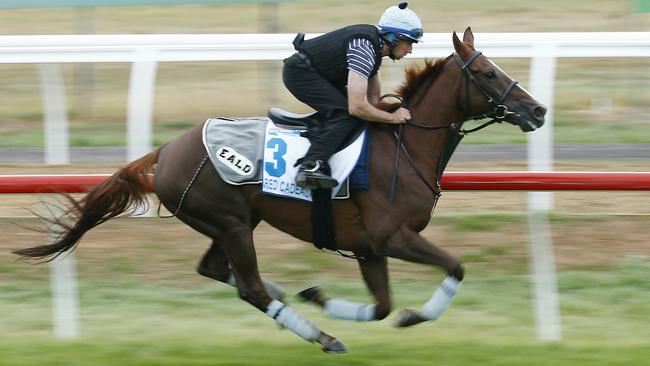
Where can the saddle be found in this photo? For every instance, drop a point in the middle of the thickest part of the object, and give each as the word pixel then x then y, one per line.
pixel 311 122
pixel 282 117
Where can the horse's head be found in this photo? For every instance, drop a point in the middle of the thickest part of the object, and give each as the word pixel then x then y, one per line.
pixel 490 92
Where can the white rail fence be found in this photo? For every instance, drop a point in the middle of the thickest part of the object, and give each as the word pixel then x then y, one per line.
pixel 144 52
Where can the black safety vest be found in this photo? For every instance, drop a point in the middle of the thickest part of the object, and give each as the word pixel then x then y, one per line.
pixel 328 52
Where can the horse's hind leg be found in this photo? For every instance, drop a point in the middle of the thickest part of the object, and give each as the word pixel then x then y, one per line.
pixel 234 241
pixel 374 270
pixel 241 253
pixel 215 265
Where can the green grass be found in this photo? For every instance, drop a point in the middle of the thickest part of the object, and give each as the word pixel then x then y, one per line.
pixel 189 351
pixel 142 304
pixel 130 322
pixel 480 222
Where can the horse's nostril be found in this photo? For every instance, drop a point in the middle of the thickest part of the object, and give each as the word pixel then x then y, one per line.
pixel 539 112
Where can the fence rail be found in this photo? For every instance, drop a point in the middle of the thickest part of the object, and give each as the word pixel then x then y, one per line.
pixel 482 181
pixel 242 47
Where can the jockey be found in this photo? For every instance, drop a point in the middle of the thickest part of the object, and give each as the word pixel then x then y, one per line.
pixel 337 75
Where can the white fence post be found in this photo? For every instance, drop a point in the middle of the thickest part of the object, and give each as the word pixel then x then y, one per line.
pixel 63 277
pixel 55 114
pixel 65 296
pixel 540 158
pixel 140 109
pixel 63 284
pixel 540 142
pixel 140 114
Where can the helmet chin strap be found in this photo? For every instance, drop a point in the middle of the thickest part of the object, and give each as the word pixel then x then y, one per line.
pixel 391 47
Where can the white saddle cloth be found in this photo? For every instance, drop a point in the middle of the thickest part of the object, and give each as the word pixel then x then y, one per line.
pixel 255 150
pixel 283 147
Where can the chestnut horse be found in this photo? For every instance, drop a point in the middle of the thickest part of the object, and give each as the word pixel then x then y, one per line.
pixel 381 222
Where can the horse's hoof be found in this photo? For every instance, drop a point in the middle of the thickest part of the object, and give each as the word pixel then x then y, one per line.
pixel 311 294
pixel 333 345
pixel 409 317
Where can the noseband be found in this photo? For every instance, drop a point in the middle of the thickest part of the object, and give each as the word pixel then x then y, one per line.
pixel 498 113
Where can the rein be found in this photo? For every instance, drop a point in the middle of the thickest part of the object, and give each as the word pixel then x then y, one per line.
pixel 498 114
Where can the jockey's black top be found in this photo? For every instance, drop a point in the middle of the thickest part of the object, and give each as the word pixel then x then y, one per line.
pixel 328 52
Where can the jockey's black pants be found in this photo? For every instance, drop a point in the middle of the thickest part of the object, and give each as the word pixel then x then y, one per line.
pixel 309 87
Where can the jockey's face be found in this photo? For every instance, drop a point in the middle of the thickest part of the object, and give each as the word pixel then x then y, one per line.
pixel 402 48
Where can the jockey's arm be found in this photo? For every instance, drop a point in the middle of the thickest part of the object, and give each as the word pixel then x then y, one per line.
pixel 360 90
pixel 374 89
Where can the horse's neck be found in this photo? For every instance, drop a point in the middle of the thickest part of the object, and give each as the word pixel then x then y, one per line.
pixel 436 105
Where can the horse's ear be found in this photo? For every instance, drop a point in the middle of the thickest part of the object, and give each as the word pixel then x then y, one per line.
pixel 459 46
pixel 468 36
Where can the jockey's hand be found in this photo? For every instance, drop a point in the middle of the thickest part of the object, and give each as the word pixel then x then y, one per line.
pixel 402 115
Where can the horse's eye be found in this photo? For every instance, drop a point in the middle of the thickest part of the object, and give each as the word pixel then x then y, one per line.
pixel 490 75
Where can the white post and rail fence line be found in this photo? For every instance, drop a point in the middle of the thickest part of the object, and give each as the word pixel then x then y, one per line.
pixel 144 52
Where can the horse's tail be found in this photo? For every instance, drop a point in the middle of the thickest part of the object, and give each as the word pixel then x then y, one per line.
pixel 126 190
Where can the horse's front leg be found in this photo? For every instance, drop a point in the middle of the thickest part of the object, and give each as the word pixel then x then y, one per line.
pixel 374 270
pixel 408 245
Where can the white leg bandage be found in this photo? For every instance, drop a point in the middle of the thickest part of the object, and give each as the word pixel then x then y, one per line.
pixel 276 292
pixel 441 298
pixel 288 318
pixel 348 310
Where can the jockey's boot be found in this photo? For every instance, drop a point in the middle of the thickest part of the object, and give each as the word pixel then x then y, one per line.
pixel 312 175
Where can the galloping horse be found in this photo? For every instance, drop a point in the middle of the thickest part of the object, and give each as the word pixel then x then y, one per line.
pixel 383 221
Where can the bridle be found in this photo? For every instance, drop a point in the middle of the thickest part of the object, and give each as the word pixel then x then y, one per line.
pixel 498 114
pixel 499 111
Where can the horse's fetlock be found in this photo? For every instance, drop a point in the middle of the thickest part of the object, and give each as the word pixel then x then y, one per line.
pixel 458 272
pixel 382 311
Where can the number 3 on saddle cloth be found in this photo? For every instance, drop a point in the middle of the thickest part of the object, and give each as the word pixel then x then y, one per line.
pixel 256 150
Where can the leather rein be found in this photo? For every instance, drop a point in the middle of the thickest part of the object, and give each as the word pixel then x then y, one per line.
pixel 498 114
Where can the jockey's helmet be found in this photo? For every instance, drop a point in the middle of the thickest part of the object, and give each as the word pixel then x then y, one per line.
pixel 398 22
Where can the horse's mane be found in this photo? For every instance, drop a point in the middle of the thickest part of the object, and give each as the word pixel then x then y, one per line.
pixel 415 76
